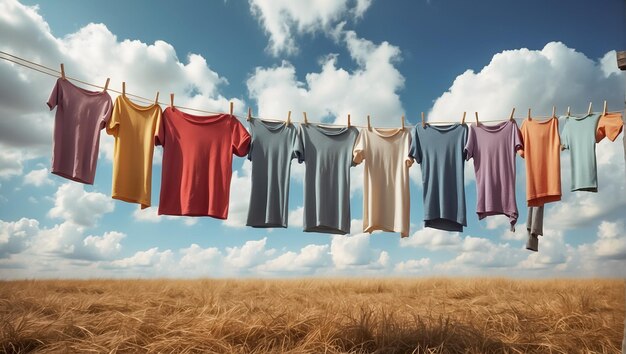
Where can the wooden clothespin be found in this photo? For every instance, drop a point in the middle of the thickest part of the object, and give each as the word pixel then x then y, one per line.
pixel 589 110
pixel 106 85
pixel 463 119
pixel 289 118
pixel 231 108
pixel 369 125
pixel 568 112
pixel 604 109
pixel 553 112
pixel 423 121
pixel 512 113
pixel 348 120
pixel 249 118
pixel 306 121
pixel 171 100
pixel 62 71
pixel 477 122
pixel 156 100
pixel 123 88
pixel 403 121
pixel 528 117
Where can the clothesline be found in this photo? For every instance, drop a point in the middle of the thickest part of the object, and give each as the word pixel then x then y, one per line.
pixel 56 73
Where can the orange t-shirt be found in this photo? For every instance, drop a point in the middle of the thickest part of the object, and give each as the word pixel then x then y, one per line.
pixel 543 161
pixel 609 125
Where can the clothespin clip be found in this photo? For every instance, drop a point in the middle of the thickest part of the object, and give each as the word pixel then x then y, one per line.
pixel 369 126
pixel 589 110
pixel 568 112
pixel 231 108
pixel 123 88
pixel 289 118
pixel 463 119
pixel 106 84
pixel 423 121
pixel 403 122
pixel 604 109
pixel 528 117
pixel 62 71
pixel 348 120
pixel 249 118
pixel 553 112
pixel 477 122
pixel 171 100
pixel 512 113
pixel 156 100
pixel 306 121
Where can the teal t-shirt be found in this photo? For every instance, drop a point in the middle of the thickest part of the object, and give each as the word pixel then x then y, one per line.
pixel 579 137
pixel 272 148
pixel 327 153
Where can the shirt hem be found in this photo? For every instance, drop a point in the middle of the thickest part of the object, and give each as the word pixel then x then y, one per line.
pixel 72 177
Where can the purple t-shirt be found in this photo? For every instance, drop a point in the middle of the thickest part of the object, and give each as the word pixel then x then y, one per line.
pixel 493 149
pixel 80 116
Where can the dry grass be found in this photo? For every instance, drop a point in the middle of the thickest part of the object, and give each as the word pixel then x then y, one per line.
pixel 313 316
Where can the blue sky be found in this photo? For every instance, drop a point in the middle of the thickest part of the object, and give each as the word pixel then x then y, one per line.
pixel 360 57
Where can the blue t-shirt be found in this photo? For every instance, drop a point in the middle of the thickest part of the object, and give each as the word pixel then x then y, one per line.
pixel 579 137
pixel 439 151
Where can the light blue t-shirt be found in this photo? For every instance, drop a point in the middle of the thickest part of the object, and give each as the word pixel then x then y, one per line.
pixel 272 148
pixel 327 153
pixel 440 152
pixel 579 137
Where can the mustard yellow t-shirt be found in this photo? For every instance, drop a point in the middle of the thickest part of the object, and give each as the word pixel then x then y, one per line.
pixel 133 127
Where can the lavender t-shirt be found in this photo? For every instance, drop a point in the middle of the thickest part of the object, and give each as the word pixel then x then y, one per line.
pixel 493 149
pixel 80 116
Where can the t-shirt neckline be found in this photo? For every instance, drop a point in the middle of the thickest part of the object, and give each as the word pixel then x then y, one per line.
pixel 273 126
pixel 390 132
pixel 192 118
pixel 495 127
pixel 82 90
pixel 444 128
pixel 137 106
pixel 330 130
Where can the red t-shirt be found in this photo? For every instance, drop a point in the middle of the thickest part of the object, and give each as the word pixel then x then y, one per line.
pixel 197 162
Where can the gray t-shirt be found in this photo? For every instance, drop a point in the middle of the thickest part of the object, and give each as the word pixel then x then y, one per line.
pixel 439 151
pixel 271 150
pixel 327 153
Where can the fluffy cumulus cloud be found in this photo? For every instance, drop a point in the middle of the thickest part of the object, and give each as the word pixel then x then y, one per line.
pixel 282 20
pixel 16 236
pixel 309 259
pixel 92 53
pixel 38 177
pixel 74 204
pixel 333 92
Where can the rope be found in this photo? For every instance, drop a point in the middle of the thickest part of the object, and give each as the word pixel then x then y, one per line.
pixel 56 73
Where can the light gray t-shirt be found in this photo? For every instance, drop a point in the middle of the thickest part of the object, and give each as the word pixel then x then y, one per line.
pixel 327 153
pixel 439 151
pixel 271 150
pixel 579 137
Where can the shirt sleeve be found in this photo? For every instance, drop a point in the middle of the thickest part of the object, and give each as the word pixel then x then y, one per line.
pixel 161 134
pixel 408 160
pixel 298 145
pixel 107 114
pixel 471 143
pixel 464 141
pixel 523 133
pixel 240 138
pixel 610 125
pixel 114 123
pixel 518 142
pixel 415 151
pixel 358 151
pixel 55 95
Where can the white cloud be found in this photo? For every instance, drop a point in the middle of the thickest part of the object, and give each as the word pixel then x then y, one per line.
pixel 283 19
pixel 413 266
pixel 200 260
pixel 334 92
pixel 308 260
pixel 152 258
pixel 92 53
pixel 611 241
pixel 151 215
pixel 102 247
pixel 38 178
pixel 433 239
pixel 354 250
pixel 72 203
pixel 296 217
pixel 16 236
pixel 251 254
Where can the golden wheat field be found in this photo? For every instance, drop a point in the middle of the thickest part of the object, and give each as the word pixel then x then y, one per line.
pixel 438 315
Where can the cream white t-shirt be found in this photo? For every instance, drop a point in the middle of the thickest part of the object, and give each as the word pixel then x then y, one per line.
pixel 386 199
